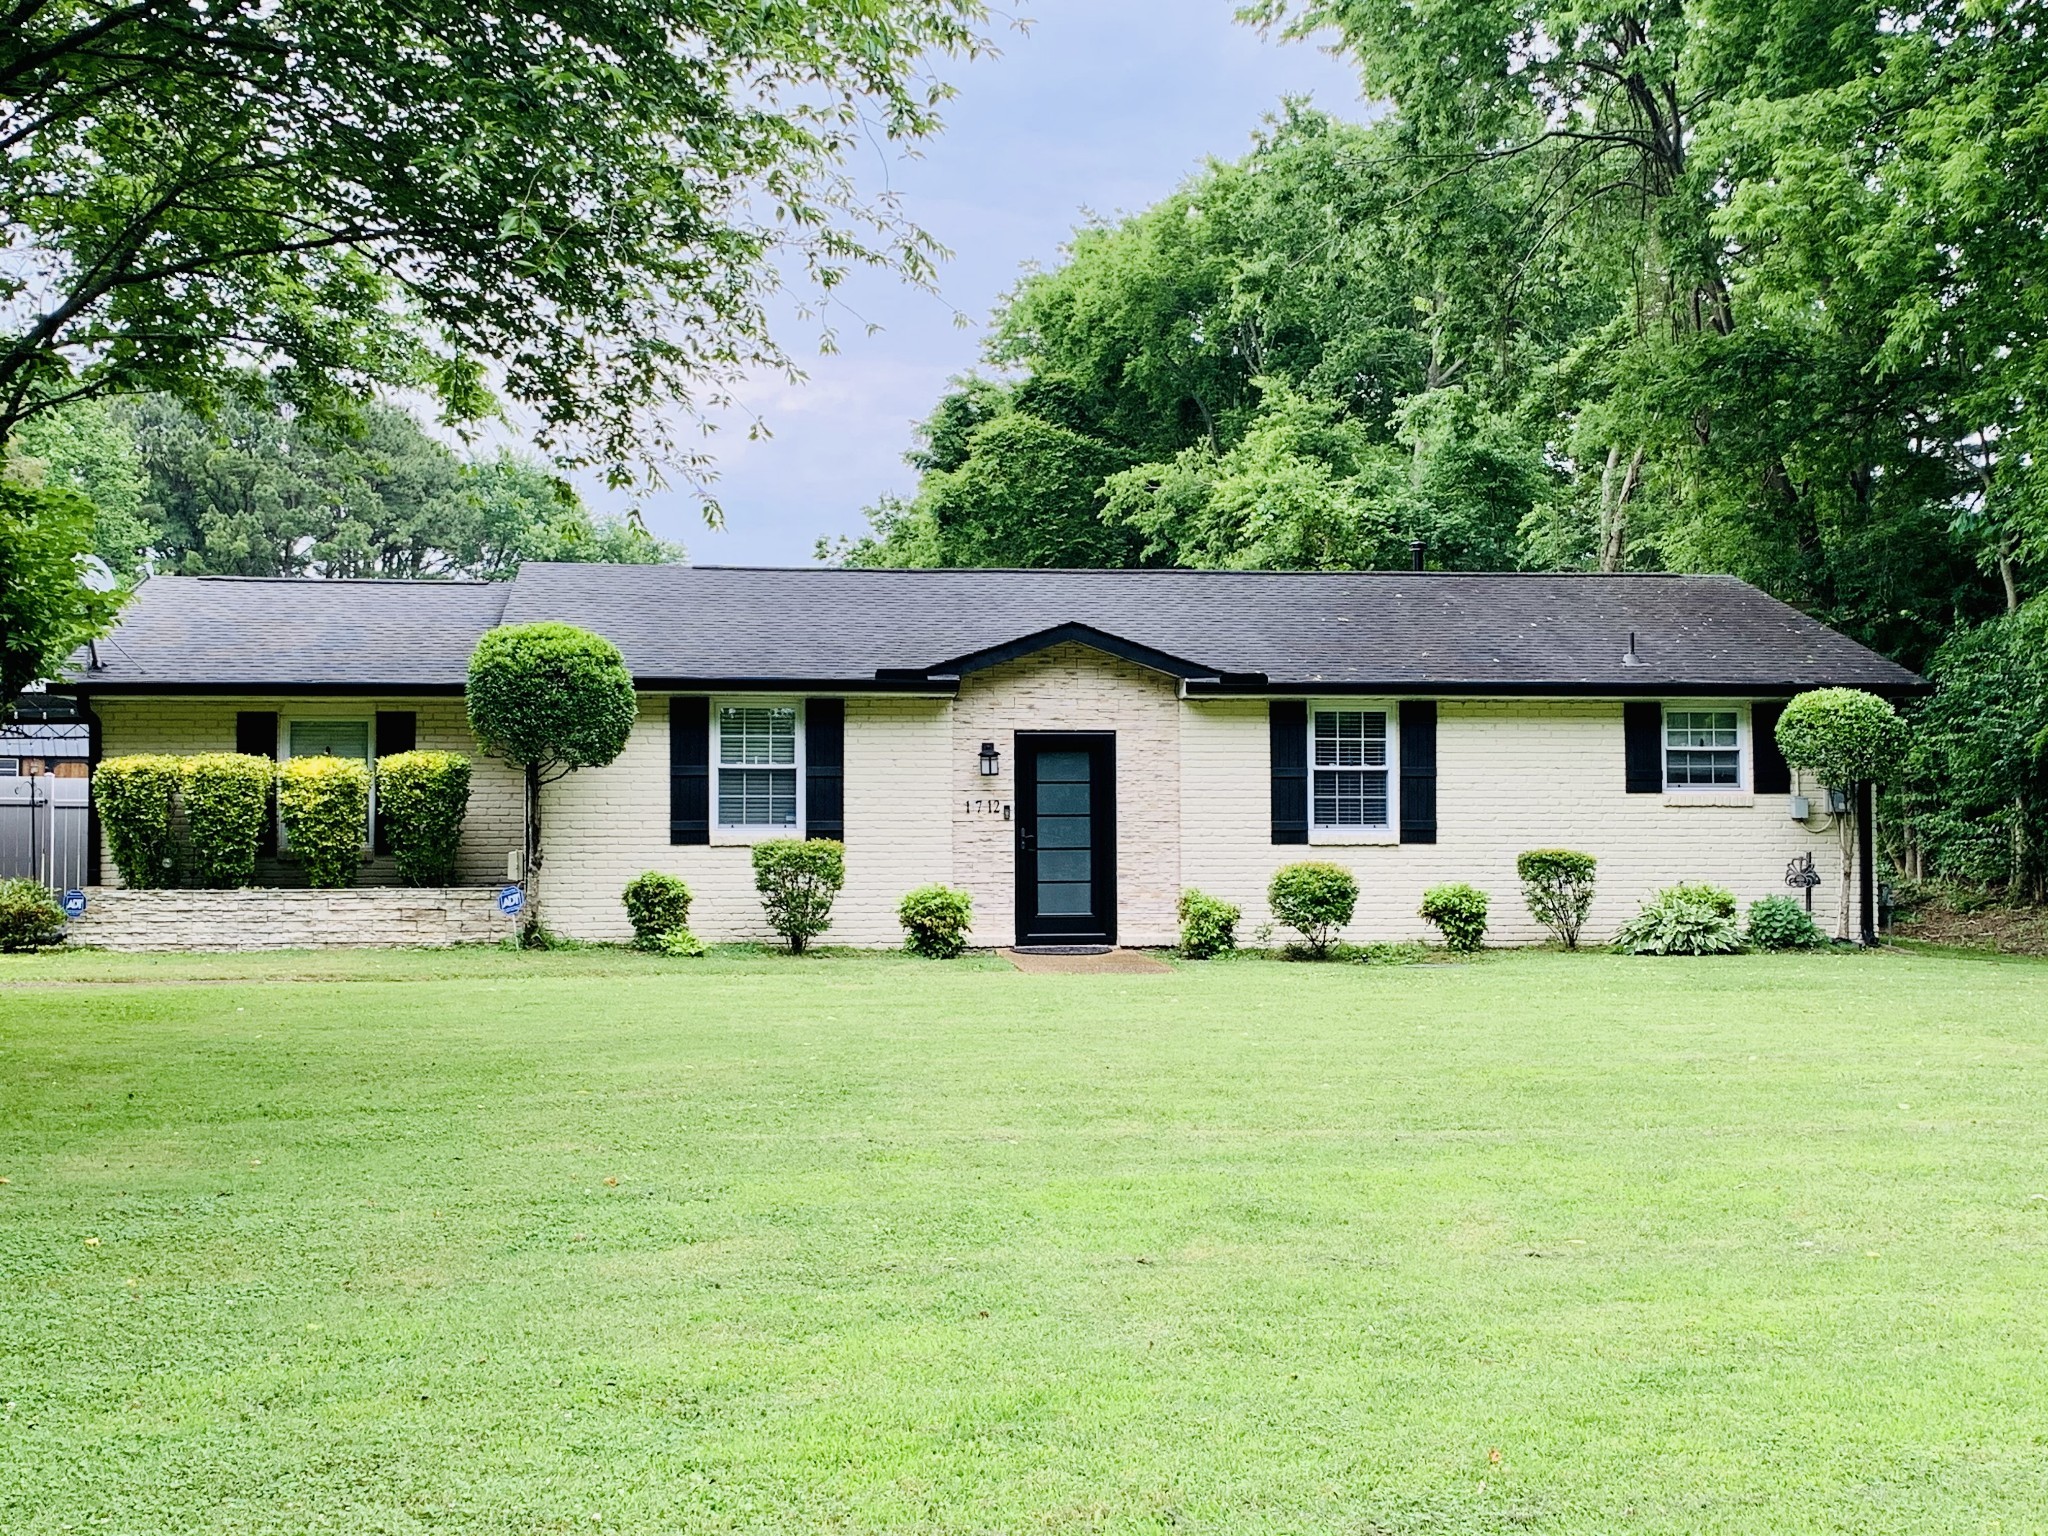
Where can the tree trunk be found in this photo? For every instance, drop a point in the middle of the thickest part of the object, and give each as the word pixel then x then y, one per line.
pixel 2009 577
pixel 1845 831
pixel 529 915
pixel 1614 499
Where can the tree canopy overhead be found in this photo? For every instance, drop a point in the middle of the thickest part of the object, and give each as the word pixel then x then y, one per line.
pixel 581 205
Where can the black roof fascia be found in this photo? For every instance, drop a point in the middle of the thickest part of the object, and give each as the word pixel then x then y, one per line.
pixel 101 688
pixel 1411 688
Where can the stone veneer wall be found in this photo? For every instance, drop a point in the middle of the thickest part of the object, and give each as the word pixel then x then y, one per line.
pixel 377 918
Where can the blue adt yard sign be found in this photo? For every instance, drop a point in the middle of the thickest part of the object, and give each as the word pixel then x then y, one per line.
pixel 73 903
pixel 511 901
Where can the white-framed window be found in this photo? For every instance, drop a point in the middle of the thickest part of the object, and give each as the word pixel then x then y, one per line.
pixel 758 762
pixel 332 738
pixel 1705 747
pixel 1353 776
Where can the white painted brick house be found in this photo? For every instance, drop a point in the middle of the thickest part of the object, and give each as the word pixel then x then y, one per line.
pixel 1073 747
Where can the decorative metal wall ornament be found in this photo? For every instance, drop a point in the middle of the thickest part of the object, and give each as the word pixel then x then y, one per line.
pixel 1800 872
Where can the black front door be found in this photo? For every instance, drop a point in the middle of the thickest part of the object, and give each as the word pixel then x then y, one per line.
pixel 1066 838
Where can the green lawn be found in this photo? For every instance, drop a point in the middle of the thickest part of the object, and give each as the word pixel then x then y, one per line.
pixel 590 1242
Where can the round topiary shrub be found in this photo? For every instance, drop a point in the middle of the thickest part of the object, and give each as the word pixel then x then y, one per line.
pixel 133 796
pixel 656 905
pixel 936 920
pixel 1459 912
pixel 226 800
pixel 1208 925
pixel 1683 920
pixel 29 916
pixel 1779 922
pixel 1316 900
pixel 324 804
pixel 422 800
pixel 798 880
pixel 1558 885
pixel 1844 737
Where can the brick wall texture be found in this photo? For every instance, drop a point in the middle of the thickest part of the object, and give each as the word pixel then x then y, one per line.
pixel 1193 808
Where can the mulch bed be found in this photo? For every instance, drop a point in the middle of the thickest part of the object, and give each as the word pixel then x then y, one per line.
pixel 2007 930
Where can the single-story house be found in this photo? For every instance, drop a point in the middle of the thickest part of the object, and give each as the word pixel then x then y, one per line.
pixel 1074 748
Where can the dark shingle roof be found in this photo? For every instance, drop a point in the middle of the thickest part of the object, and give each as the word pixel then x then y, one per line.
pixel 222 631
pixel 685 625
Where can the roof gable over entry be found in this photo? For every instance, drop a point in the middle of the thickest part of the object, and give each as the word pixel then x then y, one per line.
pixel 832 630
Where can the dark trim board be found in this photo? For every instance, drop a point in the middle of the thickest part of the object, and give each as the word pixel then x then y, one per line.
pixel 1100 926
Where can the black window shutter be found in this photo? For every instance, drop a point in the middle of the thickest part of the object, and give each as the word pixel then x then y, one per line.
pixel 825 768
pixel 689 770
pixel 1418 771
pixel 1643 732
pixel 398 730
pixel 256 736
pixel 1287 724
pixel 1771 774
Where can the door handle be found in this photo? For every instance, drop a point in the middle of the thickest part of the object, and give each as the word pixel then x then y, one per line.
pixel 1026 839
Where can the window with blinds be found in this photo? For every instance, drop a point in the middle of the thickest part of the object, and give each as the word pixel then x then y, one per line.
pixel 757 765
pixel 1348 758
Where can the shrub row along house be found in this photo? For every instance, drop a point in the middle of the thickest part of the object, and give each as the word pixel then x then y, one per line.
pixel 1074 748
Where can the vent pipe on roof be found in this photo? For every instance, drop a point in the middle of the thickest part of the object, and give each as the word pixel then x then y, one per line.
pixel 1416 550
pixel 1631 659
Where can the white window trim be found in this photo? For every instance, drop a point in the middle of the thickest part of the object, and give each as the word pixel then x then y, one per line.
pixel 1358 837
pixel 284 755
pixel 725 834
pixel 1742 791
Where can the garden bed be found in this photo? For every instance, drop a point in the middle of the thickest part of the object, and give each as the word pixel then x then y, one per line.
pixel 431 917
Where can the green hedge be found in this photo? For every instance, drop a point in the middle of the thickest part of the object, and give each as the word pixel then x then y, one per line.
pixel 1459 912
pixel 324 803
pixel 1315 899
pixel 422 798
pixel 1558 885
pixel 29 916
pixel 1208 925
pixel 935 921
pixel 798 881
pixel 133 796
pixel 226 800
pixel 656 905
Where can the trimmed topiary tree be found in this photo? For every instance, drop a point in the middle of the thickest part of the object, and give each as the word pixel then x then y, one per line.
pixel 422 800
pixel 1316 900
pixel 936 920
pixel 1208 925
pixel 1845 738
pixel 798 880
pixel 551 698
pixel 133 797
pixel 226 800
pixel 324 805
pixel 1558 885
pixel 656 905
pixel 29 916
pixel 1459 912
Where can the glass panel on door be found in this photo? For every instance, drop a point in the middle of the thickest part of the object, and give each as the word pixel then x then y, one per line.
pixel 1065 860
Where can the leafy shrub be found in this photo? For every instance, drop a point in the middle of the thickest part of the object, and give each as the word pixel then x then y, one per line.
pixel 1779 922
pixel 324 803
pixel 1208 925
pixel 422 798
pixel 29 916
pixel 935 921
pixel 798 880
pixel 133 795
pixel 1315 899
pixel 1683 920
pixel 226 799
pixel 656 905
pixel 679 944
pixel 1558 885
pixel 1843 737
pixel 1459 911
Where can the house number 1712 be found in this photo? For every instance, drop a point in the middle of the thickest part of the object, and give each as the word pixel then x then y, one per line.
pixel 989 808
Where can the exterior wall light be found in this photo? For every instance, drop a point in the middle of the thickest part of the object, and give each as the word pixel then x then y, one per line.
pixel 991 760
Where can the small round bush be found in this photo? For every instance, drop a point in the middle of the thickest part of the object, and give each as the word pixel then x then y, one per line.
pixel 1558 885
pixel 935 919
pixel 29 916
pixel 1842 736
pixel 1459 912
pixel 133 796
pixel 656 905
pixel 1683 920
pixel 1316 900
pixel 226 799
pixel 798 880
pixel 324 804
pixel 1208 925
pixel 679 944
pixel 1779 922
pixel 422 800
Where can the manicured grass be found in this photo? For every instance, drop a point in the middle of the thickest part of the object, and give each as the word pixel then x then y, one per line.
pixel 591 1242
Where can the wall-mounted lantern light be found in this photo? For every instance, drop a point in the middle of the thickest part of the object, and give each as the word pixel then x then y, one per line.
pixel 991 760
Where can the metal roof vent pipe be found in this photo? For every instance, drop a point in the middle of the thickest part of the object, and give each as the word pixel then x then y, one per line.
pixel 1630 658
pixel 1416 550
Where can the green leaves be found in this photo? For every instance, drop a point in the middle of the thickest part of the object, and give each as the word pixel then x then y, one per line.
pixel 550 696
pixel 47 610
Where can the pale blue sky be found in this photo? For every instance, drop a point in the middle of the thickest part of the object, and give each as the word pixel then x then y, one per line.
pixel 1102 107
